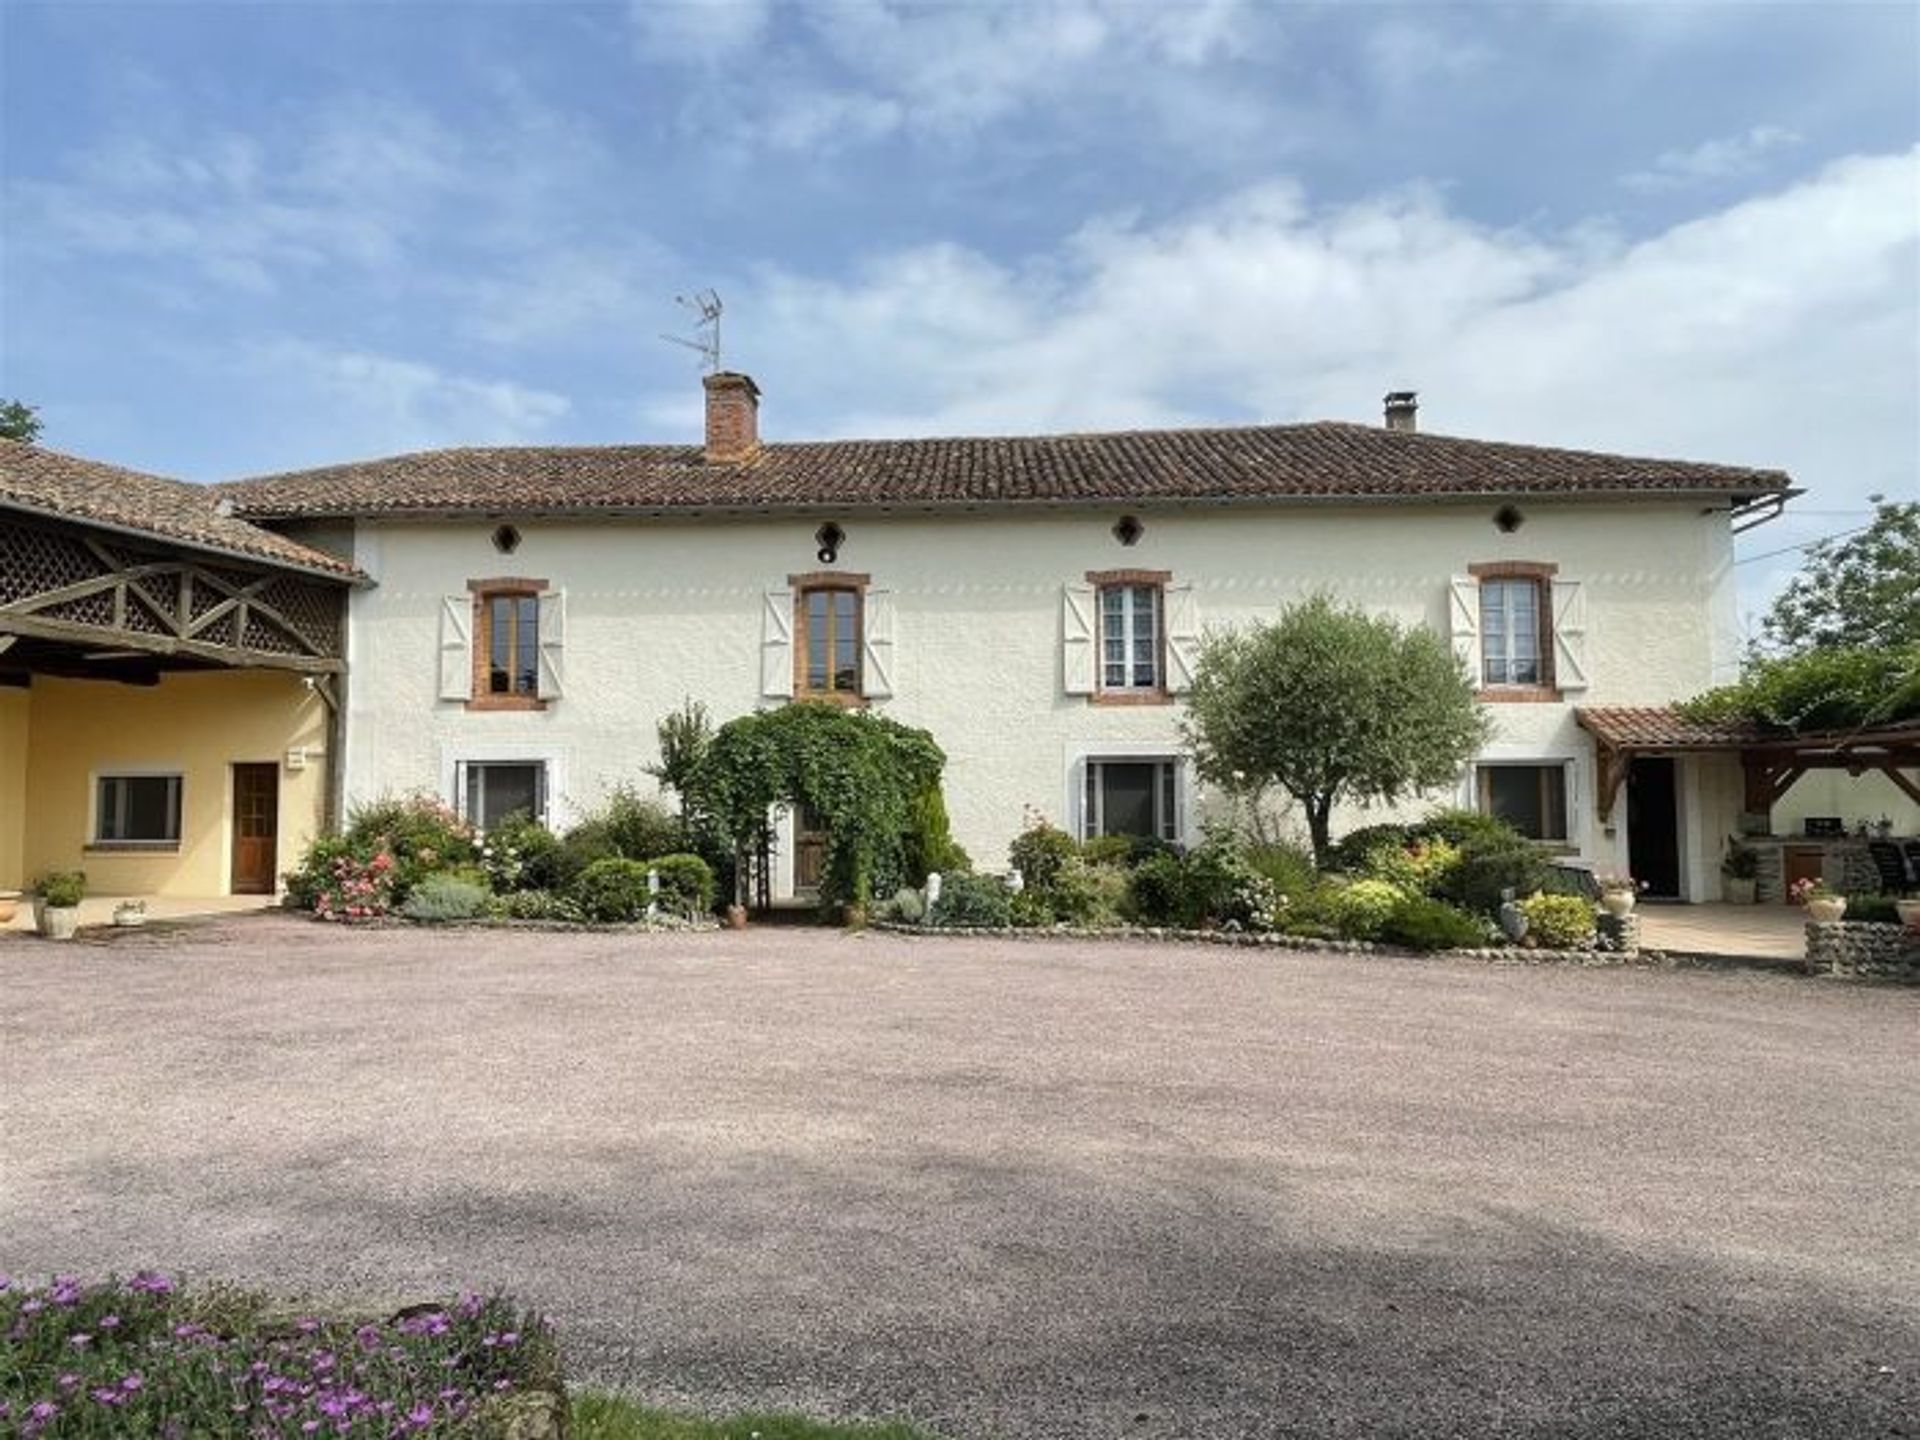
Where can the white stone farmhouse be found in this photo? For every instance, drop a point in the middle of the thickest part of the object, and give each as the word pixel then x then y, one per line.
pixel 1036 602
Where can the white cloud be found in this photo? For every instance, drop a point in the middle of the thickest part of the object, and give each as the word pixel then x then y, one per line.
pixel 1712 161
pixel 699 30
pixel 386 403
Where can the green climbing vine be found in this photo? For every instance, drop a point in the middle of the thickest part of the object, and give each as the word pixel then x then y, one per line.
pixel 866 776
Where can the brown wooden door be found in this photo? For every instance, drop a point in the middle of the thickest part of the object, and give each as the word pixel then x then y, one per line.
pixel 256 828
pixel 809 851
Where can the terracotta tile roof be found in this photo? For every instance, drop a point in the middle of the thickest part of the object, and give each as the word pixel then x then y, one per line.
pixel 47 482
pixel 1658 727
pixel 1321 461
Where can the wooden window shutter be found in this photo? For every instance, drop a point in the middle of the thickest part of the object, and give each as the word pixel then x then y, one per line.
pixel 776 644
pixel 456 647
pixel 876 643
pixel 553 644
pixel 1569 635
pixel 1076 638
pixel 1183 637
pixel 1463 623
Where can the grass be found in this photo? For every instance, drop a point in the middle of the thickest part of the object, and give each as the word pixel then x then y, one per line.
pixel 608 1417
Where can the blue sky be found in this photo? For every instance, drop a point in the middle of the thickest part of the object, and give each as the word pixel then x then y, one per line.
pixel 246 237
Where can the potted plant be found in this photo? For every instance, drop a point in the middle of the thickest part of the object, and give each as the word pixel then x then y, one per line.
pixel 1618 894
pixel 1821 902
pixel 129 914
pixel 1907 907
pixel 56 906
pixel 1739 873
pixel 9 906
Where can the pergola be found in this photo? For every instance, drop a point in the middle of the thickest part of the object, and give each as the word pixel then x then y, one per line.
pixel 1771 762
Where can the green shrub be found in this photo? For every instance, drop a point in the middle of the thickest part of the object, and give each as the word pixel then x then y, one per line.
pixel 927 845
pixel 1039 852
pixel 1289 867
pixel 1156 890
pixel 908 906
pixel 686 884
pixel 637 827
pixel 1481 877
pixel 1084 894
pixel 1310 913
pixel 973 900
pixel 1469 830
pixel 1219 887
pixel 1421 923
pixel 612 891
pixel 1031 910
pixel 540 905
pixel 520 853
pixel 1351 850
pixel 62 889
pixel 1558 922
pixel 440 898
pixel 1871 910
pixel 1361 910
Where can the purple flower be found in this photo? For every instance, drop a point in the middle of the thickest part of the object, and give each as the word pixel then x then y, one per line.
pixel 107 1395
pixel 43 1411
pixel 421 1414
pixel 109 1322
pixel 80 1342
pixel 133 1382
pixel 65 1291
pixel 69 1380
pixel 151 1282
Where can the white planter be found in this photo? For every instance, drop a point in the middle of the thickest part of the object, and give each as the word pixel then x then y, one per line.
pixel 1827 910
pixel 1909 912
pixel 1617 902
pixel 57 922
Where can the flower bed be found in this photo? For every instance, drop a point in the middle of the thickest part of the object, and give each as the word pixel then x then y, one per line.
pixel 140 1357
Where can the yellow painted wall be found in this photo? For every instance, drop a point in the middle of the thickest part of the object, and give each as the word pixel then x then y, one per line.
pixel 197 724
pixel 14 709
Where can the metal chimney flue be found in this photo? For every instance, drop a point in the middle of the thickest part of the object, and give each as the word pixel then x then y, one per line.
pixel 1402 409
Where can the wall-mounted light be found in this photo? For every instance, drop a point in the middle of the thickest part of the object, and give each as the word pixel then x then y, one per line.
pixel 829 537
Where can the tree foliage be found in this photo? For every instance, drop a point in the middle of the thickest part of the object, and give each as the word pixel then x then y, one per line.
pixel 1858 591
pixel 865 776
pixel 1331 704
pixel 1835 688
pixel 19 421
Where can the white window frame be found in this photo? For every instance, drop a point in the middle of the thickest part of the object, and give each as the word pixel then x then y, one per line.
pixel 1081 788
pixel 1502 586
pixel 454 761
pixel 1569 769
pixel 1130 592
pixel 96 817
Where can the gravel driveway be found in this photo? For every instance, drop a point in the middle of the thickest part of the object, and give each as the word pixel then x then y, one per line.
pixel 1014 1189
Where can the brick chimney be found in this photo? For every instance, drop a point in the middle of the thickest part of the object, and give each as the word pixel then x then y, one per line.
pixel 733 417
pixel 1401 408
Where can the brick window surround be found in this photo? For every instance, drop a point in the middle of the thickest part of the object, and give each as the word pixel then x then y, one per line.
pixel 1158 694
pixel 1541 573
pixel 517 587
pixel 803 586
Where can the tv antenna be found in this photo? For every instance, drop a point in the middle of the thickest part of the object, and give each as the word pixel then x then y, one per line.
pixel 706 306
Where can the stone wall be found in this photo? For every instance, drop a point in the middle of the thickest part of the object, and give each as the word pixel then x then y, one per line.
pixel 1889 951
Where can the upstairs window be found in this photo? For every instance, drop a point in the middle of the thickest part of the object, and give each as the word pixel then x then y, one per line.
pixel 828 619
pixel 138 810
pixel 510 644
pixel 1512 651
pixel 1130 633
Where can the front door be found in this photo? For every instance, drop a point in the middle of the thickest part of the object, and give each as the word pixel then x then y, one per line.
pixel 1653 826
pixel 256 828
pixel 809 850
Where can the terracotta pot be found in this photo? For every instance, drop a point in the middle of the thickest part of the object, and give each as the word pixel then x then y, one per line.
pixel 736 917
pixel 1617 902
pixel 9 906
pixel 1827 910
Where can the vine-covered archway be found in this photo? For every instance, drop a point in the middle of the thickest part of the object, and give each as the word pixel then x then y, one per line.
pixel 870 779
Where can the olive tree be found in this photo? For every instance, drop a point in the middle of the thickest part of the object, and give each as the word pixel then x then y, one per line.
pixel 1331 704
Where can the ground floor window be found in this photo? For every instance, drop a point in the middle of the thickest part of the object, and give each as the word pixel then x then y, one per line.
pixel 1132 797
pixel 491 790
pixel 138 810
pixel 1530 797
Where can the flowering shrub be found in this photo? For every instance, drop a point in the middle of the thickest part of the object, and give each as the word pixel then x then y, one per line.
pixel 1362 909
pixel 354 889
pixel 1801 891
pixel 140 1358
pixel 520 853
pixel 1558 922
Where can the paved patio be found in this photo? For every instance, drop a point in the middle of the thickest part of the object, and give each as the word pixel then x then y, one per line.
pixel 98 909
pixel 1015 1190
pixel 1761 932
